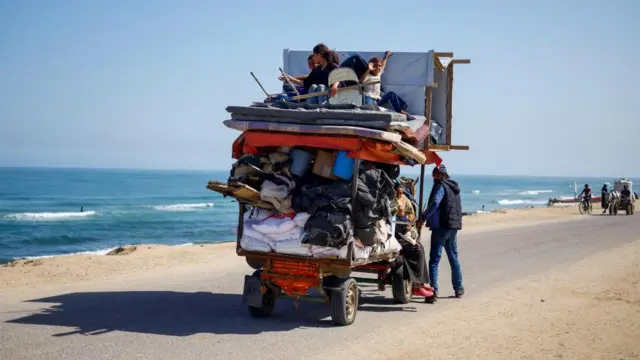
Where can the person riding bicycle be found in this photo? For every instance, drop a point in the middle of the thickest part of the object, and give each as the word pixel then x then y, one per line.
pixel 587 194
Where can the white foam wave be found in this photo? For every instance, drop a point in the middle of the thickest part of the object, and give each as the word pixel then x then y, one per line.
pixel 564 204
pixel 49 216
pixel 535 192
pixel 183 207
pixel 94 252
pixel 522 202
pixel 476 191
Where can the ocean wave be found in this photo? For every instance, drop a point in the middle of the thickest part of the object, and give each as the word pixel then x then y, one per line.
pixel 100 252
pixel 183 207
pixel 476 191
pixel 49 216
pixel 522 202
pixel 93 252
pixel 535 192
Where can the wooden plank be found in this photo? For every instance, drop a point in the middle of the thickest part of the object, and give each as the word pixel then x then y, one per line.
pixel 461 61
pixel 444 54
pixel 428 101
pixel 439 147
pixel 459 147
pixel 449 114
pixel 306 96
pixel 438 64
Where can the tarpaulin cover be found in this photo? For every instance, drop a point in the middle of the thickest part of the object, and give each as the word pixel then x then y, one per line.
pixel 365 149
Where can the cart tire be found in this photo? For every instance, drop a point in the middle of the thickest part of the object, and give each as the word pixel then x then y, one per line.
pixel 344 303
pixel 628 209
pixel 633 209
pixel 329 283
pixel 610 209
pixel 255 263
pixel 268 303
pixel 400 287
pixel 615 210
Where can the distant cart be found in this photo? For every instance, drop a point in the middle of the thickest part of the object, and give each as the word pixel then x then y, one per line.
pixel 280 275
pixel 619 203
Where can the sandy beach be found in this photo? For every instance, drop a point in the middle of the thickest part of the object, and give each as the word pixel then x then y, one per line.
pixel 54 271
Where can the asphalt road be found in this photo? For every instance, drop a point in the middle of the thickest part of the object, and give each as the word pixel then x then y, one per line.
pixel 200 315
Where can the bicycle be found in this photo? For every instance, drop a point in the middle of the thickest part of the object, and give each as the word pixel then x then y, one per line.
pixel 585 207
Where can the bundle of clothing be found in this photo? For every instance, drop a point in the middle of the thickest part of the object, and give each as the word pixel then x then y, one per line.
pixel 330 207
pixel 269 173
pixel 267 231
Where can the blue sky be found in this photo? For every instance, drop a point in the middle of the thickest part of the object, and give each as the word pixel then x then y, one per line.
pixel 552 88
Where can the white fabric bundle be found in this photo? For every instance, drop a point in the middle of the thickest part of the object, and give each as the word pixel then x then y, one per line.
pixel 253 240
pixel 256 213
pixel 272 226
pixel 252 244
pixel 292 247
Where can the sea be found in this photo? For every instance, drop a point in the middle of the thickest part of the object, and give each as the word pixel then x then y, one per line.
pixel 52 211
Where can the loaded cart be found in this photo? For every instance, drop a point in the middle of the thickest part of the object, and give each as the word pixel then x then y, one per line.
pixel 316 186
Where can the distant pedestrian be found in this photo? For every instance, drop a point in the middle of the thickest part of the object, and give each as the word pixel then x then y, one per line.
pixel 444 217
pixel 604 198
pixel 81 208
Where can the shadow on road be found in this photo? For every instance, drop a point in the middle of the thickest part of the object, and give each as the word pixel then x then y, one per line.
pixel 175 313
pixel 167 313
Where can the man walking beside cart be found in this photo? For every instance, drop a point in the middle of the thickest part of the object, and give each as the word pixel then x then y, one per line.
pixel 444 217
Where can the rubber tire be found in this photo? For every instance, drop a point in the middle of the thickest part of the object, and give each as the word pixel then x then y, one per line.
pixel 615 210
pixel 254 263
pixel 628 209
pixel 633 209
pixel 611 210
pixel 329 281
pixel 399 287
pixel 339 307
pixel 268 303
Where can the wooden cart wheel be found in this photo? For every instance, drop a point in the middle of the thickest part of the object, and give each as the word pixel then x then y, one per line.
pixel 344 303
pixel 268 303
pixel 400 287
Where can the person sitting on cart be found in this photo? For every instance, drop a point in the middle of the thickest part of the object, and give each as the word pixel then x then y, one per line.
pixel 414 259
pixel 587 194
pixel 326 61
pixel 625 193
pixel 297 80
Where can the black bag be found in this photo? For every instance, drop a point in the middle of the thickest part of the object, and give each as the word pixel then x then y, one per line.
pixel 330 229
pixel 357 64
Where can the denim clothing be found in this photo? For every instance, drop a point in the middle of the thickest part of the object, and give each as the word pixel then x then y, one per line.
pixel 389 100
pixel 431 216
pixel 447 238
pixel 287 89
pixel 317 99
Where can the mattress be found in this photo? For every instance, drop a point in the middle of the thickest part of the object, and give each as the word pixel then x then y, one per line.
pixel 313 129
pixel 309 113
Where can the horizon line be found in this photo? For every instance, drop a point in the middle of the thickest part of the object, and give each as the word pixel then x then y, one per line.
pixel 412 170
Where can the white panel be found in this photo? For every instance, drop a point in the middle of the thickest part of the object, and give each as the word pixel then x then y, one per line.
pixel 413 95
pixel 406 73
pixel 403 68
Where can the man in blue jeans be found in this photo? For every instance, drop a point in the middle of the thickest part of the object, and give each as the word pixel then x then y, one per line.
pixel 444 217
